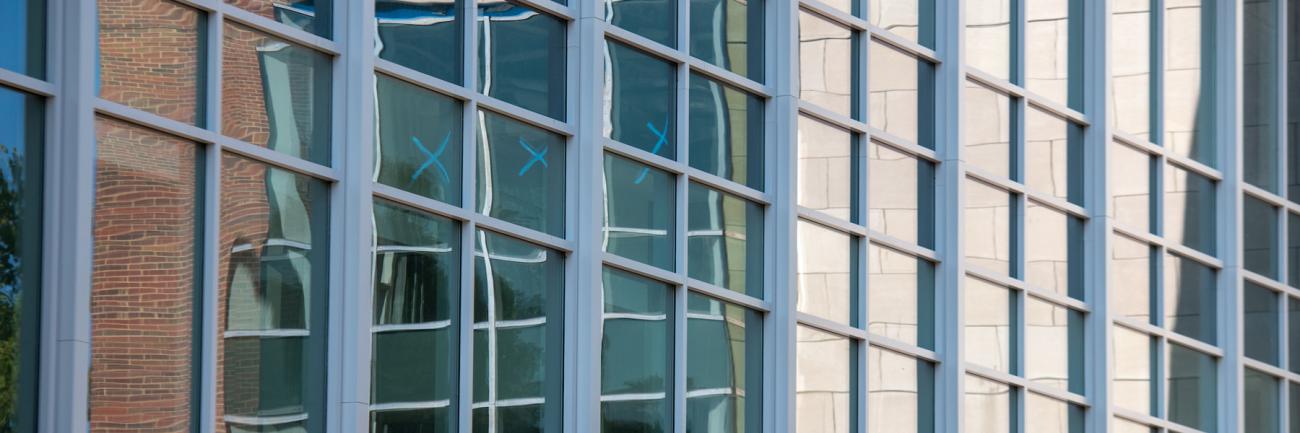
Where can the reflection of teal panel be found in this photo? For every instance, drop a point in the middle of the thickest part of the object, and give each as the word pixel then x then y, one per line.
pixel 634 356
pixel 413 366
pixel 437 420
pixel 424 36
pixel 521 174
pixel 522 57
pixel 710 348
pixel 654 19
pixel 648 416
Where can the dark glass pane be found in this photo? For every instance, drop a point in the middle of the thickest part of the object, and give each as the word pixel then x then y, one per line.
pixel 435 420
pixel 420 34
pixel 521 57
pixel 1293 248
pixel 22 27
pixel 1293 334
pixel 1260 93
pixel 1192 389
pixel 272 294
pixel 134 71
pixel 824 382
pixel 418 140
pixel 1189 209
pixel 1260 318
pixel 1262 414
pixel 311 15
pixel 1293 110
pixel 414 367
pixel 636 354
pixel 729 34
pixel 1190 298
pixel 146 274
pixel 22 144
pixel 900 296
pixel 417 266
pixel 725 240
pixel 521 173
pixel 656 20
pixel 726 132
pixel 276 94
pixel 518 332
pixel 640 212
pixel 1261 238
pixel 640 102
pixel 724 367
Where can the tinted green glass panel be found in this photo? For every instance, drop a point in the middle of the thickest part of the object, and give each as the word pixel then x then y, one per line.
pixel 729 34
pixel 418 144
pixel 311 15
pixel 22 26
pixel 1190 300
pixel 1293 334
pixel 1192 389
pixel 640 102
pixel 421 35
pixel 1260 93
pixel 1293 248
pixel 1261 317
pixel 900 393
pixel 521 57
pixel 826 279
pixel 417 266
pixel 640 212
pixel 436 420
pixel 656 20
pixel 22 143
pixel 724 367
pixel 414 367
pixel 900 296
pixel 824 382
pixel 276 94
pixel 636 354
pixel 1261 239
pixel 521 172
pixel 726 132
pixel 725 240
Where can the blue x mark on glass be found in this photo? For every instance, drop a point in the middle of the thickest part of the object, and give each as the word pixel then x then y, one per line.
pixel 431 158
pixel 659 144
pixel 538 156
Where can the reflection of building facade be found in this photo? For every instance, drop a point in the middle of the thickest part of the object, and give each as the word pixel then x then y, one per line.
pixel 649 216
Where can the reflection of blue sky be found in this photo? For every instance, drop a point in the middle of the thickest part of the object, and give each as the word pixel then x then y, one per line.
pixel 13 23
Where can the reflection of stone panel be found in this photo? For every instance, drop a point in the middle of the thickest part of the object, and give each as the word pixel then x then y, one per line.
pixel 825 168
pixel 1130 278
pixel 893 78
pixel 825 272
pixel 1131 374
pixel 143 282
pixel 988 36
pixel 987 325
pixel 893 193
pixel 1130 187
pixel 892 295
pixel 987 406
pixel 1047 248
pixel 893 397
pixel 900 17
pixel 986 129
pixel 825 63
pixel 987 217
pixel 1185 93
pixel 1047 344
pixel 822 382
pixel 1047 48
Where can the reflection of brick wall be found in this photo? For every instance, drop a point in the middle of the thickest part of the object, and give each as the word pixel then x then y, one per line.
pixel 243 113
pixel 148 53
pixel 143 282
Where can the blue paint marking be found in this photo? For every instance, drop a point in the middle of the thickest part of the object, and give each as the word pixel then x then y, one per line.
pixel 538 156
pixel 663 139
pixel 432 158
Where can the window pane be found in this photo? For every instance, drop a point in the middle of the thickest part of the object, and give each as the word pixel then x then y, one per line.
pixel 656 20
pixel 988 226
pixel 1192 388
pixel 640 212
pixel 1053 251
pixel 22 144
pixel 900 393
pixel 639 104
pixel 826 279
pixel 988 36
pixel 1050 58
pixel 1293 248
pixel 1053 346
pixel 900 192
pixel 1261 403
pixel 636 354
pixel 1131 94
pixel 275 94
pixel 273 292
pixel 986 131
pixel 1188 80
pixel 1293 334
pixel 142 300
pixel 827 168
pixel 1293 410
pixel 826 59
pixel 132 69
pixel 521 173
pixel 518 334
pixel 522 57
pixel 725 240
pixel 988 325
pixel 729 34
pixel 824 391
pixel 1260 320
pixel 988 406
pixel 1293 113
pixel 421 35
pixel 911 19
pixel 1133 358
pixel 418 141
pixel 1053 156
pixel 417 276
pixel 1047 415
pixel 1260 93
pixel 1189 209
pixel 724 367
pixel 1131 278
pixel 1130 187
pixel 726 132
pixel 898 86
pixel 1121 425
pixel 1190 298
pixel 310 15
pixel 1261 237
pixel 900 296
pixel 22 26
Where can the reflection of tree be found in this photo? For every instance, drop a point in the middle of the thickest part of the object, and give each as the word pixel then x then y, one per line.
pixel 10 282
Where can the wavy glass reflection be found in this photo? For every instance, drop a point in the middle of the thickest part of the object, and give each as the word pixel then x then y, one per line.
pixel 418 143
pixel 824 378
pixel 521 57
pixel 826 278
pixel 986 129
pixel 640 100
pixel 636 374
pixel 900 396
pixel 724 240
pixel 726 132
pixel 314 16
pixel 988 327
pixel 171 85
pixel 987 216
pixel 826 64
pixel 828 168
pixel 900 296
pixel 900 192
pixel 987 405
pixel 724 367
pixel 988 36
pixel 640 212
pixel 1132 93
pixel 729 34
pixel 521 173
pixel 423 35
